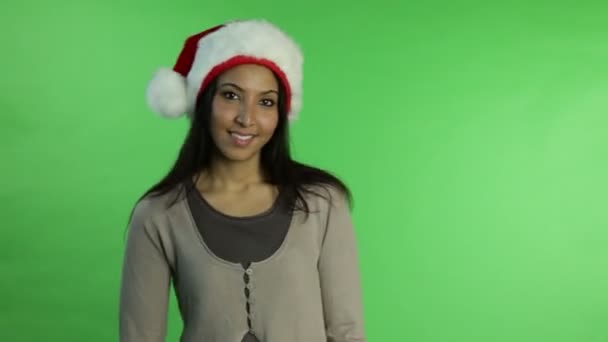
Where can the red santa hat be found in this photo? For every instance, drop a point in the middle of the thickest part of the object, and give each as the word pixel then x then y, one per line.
pixel 173 92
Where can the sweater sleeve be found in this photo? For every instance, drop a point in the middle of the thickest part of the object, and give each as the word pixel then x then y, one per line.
pixel 340 276
pixel 144 293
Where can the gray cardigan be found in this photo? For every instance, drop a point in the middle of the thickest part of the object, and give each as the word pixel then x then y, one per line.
pixel 309 290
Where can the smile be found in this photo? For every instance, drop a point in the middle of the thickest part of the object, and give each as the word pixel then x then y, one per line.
pixel 241 140
pixel 242 137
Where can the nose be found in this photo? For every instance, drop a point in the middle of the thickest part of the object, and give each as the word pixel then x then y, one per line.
pixel 246 114
pixel 243 118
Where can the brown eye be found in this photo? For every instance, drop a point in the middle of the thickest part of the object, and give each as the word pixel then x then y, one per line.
pixel 229 95
pixel 268 102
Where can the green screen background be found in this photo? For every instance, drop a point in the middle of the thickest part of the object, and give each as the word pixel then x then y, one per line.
pixel 473 135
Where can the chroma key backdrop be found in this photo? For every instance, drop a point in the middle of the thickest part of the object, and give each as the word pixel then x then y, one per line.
pixel 474 136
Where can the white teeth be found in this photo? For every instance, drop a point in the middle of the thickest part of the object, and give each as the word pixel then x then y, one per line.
pixel 242 137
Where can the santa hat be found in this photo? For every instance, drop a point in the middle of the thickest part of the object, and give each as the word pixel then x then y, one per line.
pixel 173 92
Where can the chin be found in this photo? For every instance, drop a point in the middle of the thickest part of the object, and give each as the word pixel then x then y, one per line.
pixel 242 155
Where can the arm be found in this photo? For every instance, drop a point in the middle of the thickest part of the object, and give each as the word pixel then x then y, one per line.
pixel 144 293
pixel 340 276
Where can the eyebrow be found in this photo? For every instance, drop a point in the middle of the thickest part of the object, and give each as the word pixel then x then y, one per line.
pixel 242 90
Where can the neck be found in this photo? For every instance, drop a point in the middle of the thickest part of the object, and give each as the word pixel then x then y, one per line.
pixel 231 176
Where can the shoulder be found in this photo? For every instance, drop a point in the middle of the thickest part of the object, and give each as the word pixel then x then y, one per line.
pixel 327 197
pixel 155 205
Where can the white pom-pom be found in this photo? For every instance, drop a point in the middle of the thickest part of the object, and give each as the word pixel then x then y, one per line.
pixel 166 93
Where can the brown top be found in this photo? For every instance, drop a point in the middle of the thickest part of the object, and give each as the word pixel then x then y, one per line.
pixel 241 239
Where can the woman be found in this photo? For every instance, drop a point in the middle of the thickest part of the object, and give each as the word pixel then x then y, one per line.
pixel 257 246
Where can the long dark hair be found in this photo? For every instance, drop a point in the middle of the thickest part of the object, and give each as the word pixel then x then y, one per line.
pixel 278 166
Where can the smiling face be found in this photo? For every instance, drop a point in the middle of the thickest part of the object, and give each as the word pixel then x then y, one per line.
pixel 244 111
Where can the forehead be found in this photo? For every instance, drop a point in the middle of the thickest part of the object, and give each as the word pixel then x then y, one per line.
pixel 249 76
